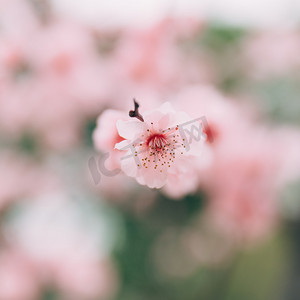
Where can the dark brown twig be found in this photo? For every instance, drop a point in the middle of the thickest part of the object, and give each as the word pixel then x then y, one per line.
pixel 135 113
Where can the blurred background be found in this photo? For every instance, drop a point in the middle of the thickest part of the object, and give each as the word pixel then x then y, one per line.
pixel 231 230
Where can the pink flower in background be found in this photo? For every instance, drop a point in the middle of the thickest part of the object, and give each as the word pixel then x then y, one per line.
pixel 18 22
pixel 18 278
pixel 87 279
pixel 84 274
pixel 60 56
pixel 160 151
pixel 153 58
pixel 50 83
pixel 106 135
pixel 222 113
pixel 148 56
pixel 12 59
pixel 64 53
pixel 287 150
pixel 272 53
pixel 224 119
pixel 184 183
pixel 49 114
pixel 243 186
pixel 18 19
pixel 244 164
pixel 22 178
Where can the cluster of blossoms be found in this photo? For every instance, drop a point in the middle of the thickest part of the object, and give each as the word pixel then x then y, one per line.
pixel 230 157
pixel 38 254
pixel 156 149
pixel 58 75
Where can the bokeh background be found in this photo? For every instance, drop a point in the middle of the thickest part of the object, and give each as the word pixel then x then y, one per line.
pixel 232 228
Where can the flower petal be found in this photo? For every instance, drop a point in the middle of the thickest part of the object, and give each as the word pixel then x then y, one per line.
pixel 130 129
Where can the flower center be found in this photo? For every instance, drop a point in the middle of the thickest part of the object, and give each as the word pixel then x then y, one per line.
pixel 159 149
pixel 157 142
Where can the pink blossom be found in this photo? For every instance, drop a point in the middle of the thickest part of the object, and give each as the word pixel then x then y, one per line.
pixel 245 164
pixel 243 187
pixel 22 178
pixel 87 279
pixel 183 183
pixel 50 83
pixel 141 53
pixel 59 55
pixel 222 116
pixel 18 19
pixel 69 58
pixel 272 53
pixel 158 145
pixel 222 113
pixel 11 57
pixel 152 57
pixel 287 151
pixel 18 279
pixel 106 136
pixel 48 114
pixel 84 274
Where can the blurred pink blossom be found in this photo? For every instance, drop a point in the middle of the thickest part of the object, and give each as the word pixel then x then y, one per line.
pixel 18 279
pixel 222 116
pixel 106 135
pixel 64 52
pixel 243 187
pixel 244 163
pixel 51 83
pixel 272 53
pixel 84 274
pixel 287 150
pixel 153 58
pixel 222 113
pixel 17 19
pixel 21 178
